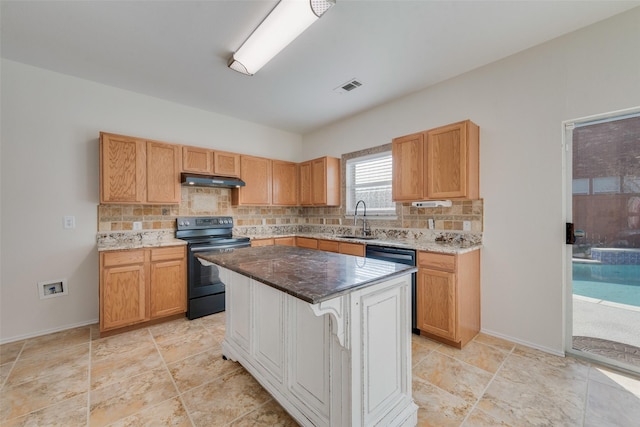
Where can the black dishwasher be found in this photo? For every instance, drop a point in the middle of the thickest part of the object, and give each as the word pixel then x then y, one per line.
pixel 401 256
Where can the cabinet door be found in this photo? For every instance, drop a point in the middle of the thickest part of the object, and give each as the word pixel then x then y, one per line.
pixel 436 310
pixel 226 164
pixel 168 284
pixel 163 173
pixel 326 192
pixel 305 184
pixel 285 183
pixel 122 169
pixel 446 162
pixel 122 289
pixel 197 160
pixel 407 154
pixel 256 173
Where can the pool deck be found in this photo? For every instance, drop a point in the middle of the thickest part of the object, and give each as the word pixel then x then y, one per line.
pixel 606 320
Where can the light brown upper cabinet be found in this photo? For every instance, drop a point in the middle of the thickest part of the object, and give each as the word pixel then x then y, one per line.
pixel 163 173
pixel 122 169
pixel 284 183
pixel 320 182
pixel 197 160
pixel 441 163
pixel 204 161
pixel 226 164
pixel 408 167
pixel 133 170
pixel 256 173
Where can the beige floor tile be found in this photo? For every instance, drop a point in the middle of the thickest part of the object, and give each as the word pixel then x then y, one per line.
pixel 271 414
pixel 224 400
pixel 68 413
pixel 421 347
pixel 188 345
pixel 436 407
pixel 479 418
pixel 4 372
pixel 122 399
pixel 548 358
pixel 176 329
pixel 59 363
pixel 126 341
pixel 453 376
pixel 477 354
pixel 611 406
pixel 56 341
pixel 168 413
pixel 519 405
pixel 42 392
pixel 120 366
pixel 200 368
pixel 212 321
pixel 567 383
pixel 9 352
pixel 494 342
pixel 94 331
pixel 615 379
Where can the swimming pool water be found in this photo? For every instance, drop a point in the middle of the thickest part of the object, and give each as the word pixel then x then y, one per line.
pixel 615 283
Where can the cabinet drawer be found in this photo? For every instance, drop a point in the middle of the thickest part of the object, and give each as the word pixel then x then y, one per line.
pixel 444 262
pixel 305 242
pixel 356 249
pixel 162 254
pixel 261 242
pixel 110 259
pixel 328 245
pixel 285 241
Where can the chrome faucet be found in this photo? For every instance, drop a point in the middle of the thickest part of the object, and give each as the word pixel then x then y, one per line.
pixel 365 229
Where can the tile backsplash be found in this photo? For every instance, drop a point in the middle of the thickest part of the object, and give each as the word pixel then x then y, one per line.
pixel 202 201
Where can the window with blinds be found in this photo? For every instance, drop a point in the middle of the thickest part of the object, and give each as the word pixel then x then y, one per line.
pixel 369 179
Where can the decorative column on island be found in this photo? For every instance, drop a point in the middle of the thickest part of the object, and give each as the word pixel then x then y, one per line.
pixel 328 335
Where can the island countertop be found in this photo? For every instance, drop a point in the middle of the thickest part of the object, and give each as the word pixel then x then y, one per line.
pixel 310 275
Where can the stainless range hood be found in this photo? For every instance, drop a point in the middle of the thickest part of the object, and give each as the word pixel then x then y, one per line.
pixel 197 180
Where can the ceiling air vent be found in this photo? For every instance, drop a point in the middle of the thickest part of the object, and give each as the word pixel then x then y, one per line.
pixel 348 86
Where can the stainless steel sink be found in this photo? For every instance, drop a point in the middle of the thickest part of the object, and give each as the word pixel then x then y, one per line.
pixel 358 237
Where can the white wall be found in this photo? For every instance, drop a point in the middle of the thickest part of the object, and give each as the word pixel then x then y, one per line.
pixel 519 104
pixel 50 126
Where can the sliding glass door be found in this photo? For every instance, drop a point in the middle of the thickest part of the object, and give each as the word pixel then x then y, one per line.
pixel 603 166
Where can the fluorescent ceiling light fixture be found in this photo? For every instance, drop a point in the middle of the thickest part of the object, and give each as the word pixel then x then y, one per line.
pixel 285 22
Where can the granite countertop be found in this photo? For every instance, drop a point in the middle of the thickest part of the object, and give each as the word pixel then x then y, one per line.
pixel 310 275
pixel 451 246
pixel 117 241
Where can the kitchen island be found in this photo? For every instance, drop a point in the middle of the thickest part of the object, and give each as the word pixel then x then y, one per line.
pixel 328 335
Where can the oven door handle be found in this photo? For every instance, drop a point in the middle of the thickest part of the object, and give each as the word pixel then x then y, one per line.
pixel 213 248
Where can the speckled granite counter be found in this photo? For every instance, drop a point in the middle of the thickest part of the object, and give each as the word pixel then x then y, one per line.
pixel 310 275
pixel 450 246
pixel 121 240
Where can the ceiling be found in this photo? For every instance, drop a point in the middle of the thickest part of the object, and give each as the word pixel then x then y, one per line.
pixel 178 50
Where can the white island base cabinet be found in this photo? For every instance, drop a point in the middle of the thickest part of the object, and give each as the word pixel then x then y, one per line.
pixel 342 362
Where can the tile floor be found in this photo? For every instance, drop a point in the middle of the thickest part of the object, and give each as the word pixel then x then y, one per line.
pixel 173 374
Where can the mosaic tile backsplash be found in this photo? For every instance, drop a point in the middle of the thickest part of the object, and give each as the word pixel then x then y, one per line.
pixel 252 221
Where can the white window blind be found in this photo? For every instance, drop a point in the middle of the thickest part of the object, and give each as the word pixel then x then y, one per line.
pixel 369 179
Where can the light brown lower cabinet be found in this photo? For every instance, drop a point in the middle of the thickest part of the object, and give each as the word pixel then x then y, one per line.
pixel 141 285
pixel 448 296
pixel 261 242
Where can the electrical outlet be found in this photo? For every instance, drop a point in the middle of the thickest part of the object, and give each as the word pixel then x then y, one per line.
pixel 69 222
pixel 137 225
pixel 466 226
pixel 431 224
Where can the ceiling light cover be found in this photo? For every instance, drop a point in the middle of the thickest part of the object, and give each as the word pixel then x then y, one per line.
pixel 285 22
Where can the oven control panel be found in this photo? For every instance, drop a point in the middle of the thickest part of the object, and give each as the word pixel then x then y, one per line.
pixel 202 222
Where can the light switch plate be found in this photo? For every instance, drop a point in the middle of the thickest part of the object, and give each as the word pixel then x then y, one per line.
pixel 69 222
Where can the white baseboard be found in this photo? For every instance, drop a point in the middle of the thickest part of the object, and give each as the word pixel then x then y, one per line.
pixel 47 331
pixel 553 351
